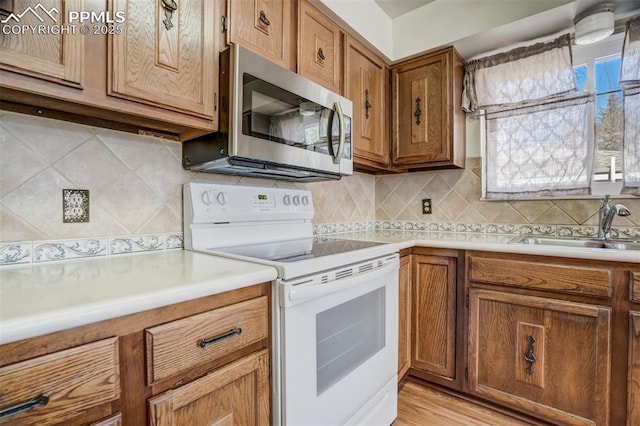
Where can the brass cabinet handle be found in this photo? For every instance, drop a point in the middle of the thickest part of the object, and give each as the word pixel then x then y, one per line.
pixel 529 356
pixel 418 113
pixel 367 104
pixel 320 54
pixel 211 340
pixel 263 18
pixel 169 7
pixel 40 401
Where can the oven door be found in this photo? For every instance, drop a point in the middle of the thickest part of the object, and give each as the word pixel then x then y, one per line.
pixel 339 343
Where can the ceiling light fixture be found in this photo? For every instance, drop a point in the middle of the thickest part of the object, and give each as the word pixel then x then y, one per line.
pixel 595 24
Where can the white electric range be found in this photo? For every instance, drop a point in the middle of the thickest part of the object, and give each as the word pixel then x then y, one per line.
pixel 335 311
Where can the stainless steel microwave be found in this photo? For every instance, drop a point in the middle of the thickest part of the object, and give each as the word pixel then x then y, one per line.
pixel 274 124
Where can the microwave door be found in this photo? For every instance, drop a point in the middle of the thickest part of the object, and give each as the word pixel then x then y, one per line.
pixel 281 127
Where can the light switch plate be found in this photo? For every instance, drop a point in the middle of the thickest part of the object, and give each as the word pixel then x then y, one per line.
pixel 75 205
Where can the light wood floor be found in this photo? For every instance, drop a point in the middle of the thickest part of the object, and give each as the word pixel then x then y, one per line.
pixel 423 406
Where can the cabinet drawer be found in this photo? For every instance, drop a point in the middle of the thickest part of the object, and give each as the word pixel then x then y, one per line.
pixel 571 279
pixel 635 286
pixel 180 345
pixel 67 382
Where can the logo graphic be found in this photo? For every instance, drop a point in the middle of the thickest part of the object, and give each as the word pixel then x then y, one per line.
pixel 34 11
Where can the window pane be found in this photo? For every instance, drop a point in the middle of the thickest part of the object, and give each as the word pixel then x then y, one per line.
pixel 580 73
pixel 609 121
pixel 607 75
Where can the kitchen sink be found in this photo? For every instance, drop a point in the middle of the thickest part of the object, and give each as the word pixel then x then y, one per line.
pixel 579 242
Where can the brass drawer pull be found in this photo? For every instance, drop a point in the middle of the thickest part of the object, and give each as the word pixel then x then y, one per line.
pixel 321 54
pixel 211 340
pixel 263 18
pixel 529 356
pixel 40 401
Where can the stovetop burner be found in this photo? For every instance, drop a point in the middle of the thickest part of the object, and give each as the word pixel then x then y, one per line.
pixel 299 249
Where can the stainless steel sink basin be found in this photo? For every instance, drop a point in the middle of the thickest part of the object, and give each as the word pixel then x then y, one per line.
pixel 579 242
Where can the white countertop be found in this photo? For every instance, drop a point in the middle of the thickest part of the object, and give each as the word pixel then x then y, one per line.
pixel 487 242
pixel 43 298
pixel 48 297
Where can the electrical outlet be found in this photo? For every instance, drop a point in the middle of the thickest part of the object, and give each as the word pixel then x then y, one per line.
pixel 75 205
pixel 426 206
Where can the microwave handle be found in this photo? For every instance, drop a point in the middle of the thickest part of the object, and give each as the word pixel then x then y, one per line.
pixel 337 109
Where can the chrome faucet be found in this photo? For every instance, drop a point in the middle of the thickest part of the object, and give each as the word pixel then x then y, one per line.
pixel 606 213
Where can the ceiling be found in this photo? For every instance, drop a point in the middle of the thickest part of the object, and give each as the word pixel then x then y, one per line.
pixel 400 29
pixel 394 8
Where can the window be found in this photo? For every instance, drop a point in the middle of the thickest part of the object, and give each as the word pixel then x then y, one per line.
pixel 569 144
pixel 597 70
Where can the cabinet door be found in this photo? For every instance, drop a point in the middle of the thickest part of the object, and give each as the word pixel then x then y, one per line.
pixel 54 57
pixel 166 58
pixel 236 394
pixel 319 57
pixel 264 26
pixel 365 84
pixel 633 404
pixel 428 124
pixel 404 316
pixel 434 315
pixel 545 357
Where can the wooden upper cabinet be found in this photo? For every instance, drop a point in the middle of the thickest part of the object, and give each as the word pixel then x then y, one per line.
pixel 319 43
pixel 428 122
pixel 53 57
pixel 366 85
pixel 266 27
pixel 236 394
pixel 166 58
pixel 404 316
pixel 433 301
pixel 549 358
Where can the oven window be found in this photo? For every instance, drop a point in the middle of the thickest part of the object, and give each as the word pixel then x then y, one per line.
pixel 347 335
pixel 276 115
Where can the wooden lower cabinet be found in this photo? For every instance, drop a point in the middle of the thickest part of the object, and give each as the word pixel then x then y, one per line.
pixel 433 302
pixel 633 397
pixel 237 394
pixel 549 358
pixel 404 317
pixel 99 374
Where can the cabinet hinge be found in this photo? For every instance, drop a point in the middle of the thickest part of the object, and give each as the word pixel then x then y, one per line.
pixel 466 373
pixel 223 24
pixel 215 101
pixel 466 300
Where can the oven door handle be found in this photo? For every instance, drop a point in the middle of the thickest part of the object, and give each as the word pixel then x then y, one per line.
pixel 302 292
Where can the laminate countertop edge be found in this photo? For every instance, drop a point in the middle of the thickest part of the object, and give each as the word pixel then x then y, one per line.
pixel 44 298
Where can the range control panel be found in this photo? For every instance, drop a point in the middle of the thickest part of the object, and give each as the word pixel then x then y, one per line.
pixel 212 203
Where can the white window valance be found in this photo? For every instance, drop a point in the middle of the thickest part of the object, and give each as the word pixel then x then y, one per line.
pixel 630 67
pixel 529 73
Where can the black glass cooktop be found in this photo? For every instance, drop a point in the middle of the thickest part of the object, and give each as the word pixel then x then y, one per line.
pixel 298 250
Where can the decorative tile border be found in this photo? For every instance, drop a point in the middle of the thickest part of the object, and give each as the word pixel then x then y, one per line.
pixel 480 228
pixel 48 251
pixel 29 252
pixel 15 253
